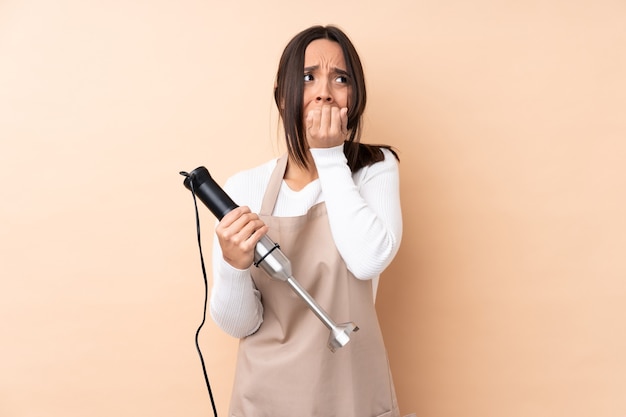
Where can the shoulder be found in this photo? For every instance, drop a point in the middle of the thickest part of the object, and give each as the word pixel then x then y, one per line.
pixel 388 159
pixel 248 186
pixel 391 156
pixel 387 167
pixel 361 155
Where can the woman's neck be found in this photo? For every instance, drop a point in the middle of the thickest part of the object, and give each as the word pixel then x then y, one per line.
pixel 297 177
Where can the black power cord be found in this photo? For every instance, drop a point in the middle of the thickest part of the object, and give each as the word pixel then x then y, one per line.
pixel 206 293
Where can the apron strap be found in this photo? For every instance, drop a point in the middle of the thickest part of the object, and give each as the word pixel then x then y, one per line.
pixel 273 187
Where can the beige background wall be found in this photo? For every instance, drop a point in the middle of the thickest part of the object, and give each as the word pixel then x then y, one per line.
pixel 508 296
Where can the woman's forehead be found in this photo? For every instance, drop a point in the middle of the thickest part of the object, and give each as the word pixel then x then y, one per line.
pixel 324 53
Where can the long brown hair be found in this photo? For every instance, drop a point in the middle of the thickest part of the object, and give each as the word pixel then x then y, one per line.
pixel 289 91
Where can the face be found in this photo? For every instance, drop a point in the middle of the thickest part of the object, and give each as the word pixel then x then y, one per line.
pixel 326 80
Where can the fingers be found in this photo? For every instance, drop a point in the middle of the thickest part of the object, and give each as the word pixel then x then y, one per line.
pixel 343 114
pixel 239 224
pixel 238 233
pixel 326 126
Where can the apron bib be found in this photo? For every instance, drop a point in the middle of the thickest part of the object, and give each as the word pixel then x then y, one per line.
pixel 285 369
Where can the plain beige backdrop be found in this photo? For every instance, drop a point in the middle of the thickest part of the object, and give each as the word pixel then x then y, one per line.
pixel 508 296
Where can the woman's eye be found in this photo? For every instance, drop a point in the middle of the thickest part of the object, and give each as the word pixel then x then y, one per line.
pixel 308 77
pixel 342 79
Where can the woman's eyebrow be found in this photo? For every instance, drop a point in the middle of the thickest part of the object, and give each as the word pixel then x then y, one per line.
pixel 335 70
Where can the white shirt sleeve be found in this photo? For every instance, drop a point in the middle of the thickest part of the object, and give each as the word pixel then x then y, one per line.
pixel 235 304
pixel 363 210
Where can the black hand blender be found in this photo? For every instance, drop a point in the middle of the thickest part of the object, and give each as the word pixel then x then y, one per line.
pixel 267 254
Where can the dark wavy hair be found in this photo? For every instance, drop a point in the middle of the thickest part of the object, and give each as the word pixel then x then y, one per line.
pixel 289 91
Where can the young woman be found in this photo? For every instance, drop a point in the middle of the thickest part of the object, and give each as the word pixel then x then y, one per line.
pixel 333 205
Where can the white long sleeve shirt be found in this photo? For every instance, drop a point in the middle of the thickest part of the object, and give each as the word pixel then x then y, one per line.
pixel 365 221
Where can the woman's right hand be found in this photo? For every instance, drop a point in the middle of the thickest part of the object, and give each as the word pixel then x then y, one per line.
pixel 238 233
pixel 326 126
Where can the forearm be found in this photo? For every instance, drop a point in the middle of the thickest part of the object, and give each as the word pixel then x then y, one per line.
pixel 365 220
pixel 235 302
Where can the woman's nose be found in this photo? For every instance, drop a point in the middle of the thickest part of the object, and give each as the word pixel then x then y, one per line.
pixel 324 94
pixel 324 98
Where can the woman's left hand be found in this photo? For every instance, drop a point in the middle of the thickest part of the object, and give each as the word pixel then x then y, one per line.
pixel 326 126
